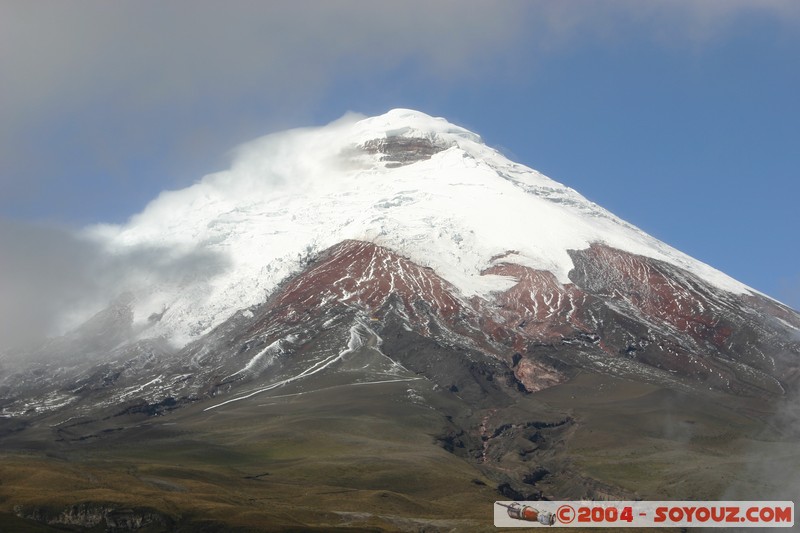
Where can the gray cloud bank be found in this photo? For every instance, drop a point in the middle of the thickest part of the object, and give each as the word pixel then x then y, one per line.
pixel 120 83
pixel 42 271
pixel 52 279
pixel 102 87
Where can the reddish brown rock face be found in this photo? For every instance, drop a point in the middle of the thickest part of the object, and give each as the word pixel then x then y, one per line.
pixel 538 305
pixel 730 341
pixel 364 274
pixel 640 283
pixel 619 305
pixel 400 151
pixel 535 376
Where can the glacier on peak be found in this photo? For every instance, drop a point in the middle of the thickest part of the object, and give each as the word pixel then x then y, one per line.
pixel 410 123
pixel 290 195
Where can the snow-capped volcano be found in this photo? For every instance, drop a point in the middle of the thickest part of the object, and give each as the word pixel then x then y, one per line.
pixel 393 278
pixel 408 216
pixel 419 186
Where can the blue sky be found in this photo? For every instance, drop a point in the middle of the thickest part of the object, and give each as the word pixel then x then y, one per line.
pixel 681 117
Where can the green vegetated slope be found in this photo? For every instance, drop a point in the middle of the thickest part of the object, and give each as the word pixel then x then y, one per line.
pixel 363 455
pixel 376 456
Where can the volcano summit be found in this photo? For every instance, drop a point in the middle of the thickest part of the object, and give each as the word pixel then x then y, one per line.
pixel 382 322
